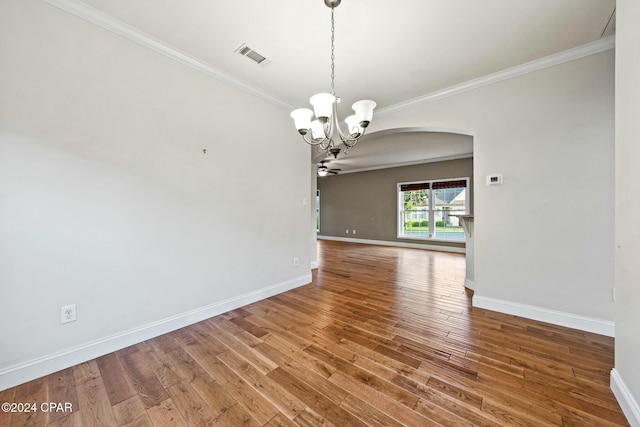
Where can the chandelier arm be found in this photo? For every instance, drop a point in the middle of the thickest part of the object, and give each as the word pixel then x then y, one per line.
pixel 352 141
pixel 327 144
pixel 308 138
pixel 336 124
pixel 330 127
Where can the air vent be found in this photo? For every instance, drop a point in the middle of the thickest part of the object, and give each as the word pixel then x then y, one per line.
pixel 245 50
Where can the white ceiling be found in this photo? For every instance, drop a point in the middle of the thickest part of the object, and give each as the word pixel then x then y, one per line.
pixel 402 147
pixel 388 51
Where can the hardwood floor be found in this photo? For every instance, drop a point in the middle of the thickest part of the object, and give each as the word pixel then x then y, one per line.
pixel 382 337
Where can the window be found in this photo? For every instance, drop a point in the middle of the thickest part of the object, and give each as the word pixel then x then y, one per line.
pixel 432 209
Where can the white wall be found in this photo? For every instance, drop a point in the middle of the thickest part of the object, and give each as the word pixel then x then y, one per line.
pixel 108 201
pixel 543 239
pixel 626 375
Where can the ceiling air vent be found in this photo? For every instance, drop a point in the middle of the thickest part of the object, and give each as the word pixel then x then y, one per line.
pixel 245 50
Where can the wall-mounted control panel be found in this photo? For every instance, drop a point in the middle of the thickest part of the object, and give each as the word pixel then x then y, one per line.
pixel 494 179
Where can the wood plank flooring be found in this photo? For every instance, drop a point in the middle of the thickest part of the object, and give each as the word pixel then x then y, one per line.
pixel 382 337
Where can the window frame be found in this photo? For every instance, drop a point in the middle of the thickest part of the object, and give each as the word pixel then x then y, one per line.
pixel 430 211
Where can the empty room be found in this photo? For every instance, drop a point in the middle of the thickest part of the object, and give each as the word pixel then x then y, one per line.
pixel 319 213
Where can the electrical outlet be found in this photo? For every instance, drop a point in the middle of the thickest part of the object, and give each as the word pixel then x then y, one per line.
pixel 354 232
pixel 67 314
pixel 347 231
pixel 296 262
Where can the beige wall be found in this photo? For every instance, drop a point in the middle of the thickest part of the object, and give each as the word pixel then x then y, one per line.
pixel 368 201
pixel 544 238
pixel 108 202
pixel 626 376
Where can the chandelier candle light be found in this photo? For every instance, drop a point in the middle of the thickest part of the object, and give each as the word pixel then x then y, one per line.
pixel 321 131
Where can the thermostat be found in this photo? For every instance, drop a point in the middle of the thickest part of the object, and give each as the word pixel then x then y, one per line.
pixel 495 179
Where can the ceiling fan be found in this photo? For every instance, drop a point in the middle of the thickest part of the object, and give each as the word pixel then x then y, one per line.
pixel 323 170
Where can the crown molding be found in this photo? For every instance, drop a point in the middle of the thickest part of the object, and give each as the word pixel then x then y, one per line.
pixel 413 129
pixel 108 22
pixel 410 163
pixel 598 46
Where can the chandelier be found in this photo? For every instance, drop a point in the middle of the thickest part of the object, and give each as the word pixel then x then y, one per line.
pixel 325 132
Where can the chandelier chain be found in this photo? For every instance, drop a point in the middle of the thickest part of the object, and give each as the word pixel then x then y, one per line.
pixel 324 132
pixel 333 32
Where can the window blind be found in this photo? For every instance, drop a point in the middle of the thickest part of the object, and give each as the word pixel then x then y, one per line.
pixel 449 184
pixel 415 186
pixel 435 185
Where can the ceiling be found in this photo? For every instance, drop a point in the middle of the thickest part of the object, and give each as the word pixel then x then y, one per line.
pixel 402 147
pixel 388 51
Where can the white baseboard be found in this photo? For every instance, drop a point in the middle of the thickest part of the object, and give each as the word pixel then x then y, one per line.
pixel 629 406
pixel 569 320
pixel 469 284
pixel 396 244
pixel 314 265
pixel 36 368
